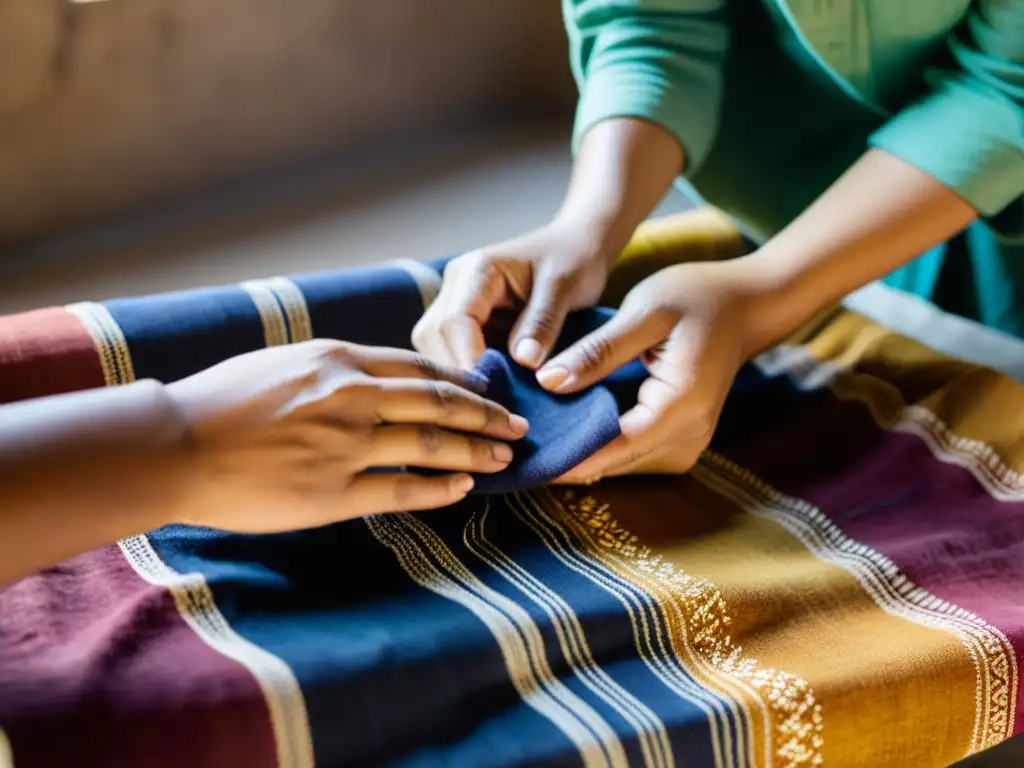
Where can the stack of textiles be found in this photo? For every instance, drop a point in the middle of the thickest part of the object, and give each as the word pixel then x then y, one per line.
pixel 838 582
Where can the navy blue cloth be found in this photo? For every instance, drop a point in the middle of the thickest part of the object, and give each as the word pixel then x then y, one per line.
pixel 564 429
pixel 381 620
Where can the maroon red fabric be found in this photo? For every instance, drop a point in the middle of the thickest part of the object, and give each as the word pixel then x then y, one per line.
pixel 46 352
pixel 98 668
pixel 886 489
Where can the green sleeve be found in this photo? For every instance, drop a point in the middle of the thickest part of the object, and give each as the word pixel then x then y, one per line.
pixel 968 131
pixel 658 60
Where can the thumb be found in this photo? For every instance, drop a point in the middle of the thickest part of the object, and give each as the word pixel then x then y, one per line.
pixel 599 354
pixel 541 321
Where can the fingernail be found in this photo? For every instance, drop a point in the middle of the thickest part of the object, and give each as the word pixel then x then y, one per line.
pixel 553 378
pixel 462 483
pixel 518 424
pixel 529 352
pixel 501 452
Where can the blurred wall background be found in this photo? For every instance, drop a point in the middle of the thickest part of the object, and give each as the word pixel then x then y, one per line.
pixel 115 106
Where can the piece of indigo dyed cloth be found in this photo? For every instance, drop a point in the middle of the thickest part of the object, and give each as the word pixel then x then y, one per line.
pixel 836 583
pixel 564 429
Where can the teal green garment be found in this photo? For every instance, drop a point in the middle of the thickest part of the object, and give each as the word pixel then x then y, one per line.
pixel 773 99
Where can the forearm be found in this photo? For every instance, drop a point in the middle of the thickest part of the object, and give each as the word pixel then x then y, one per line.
pixel 82 470
pixel 623 168
pixel 881 214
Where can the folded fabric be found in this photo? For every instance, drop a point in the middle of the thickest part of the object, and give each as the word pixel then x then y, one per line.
pixel 564 429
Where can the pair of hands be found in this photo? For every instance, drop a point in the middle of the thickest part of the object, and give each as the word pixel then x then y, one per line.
pixel 689 325
pixel 321 428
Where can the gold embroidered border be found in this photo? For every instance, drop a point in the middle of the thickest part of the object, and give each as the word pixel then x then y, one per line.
pixel 797 717
pixel 989 649
pixel 659 634
pixel 652 736
pixel 430 563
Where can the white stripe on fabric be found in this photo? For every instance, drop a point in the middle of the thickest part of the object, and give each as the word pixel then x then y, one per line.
pixel 192 595
pixel 513 630
pixel 978 458
pixel 194 601
pixel 300 325
pixel 650 631
pixel 275 329
pixel 426 278
pixel 915 318
pixel 650 730
pixel 990 651
pixel 6 753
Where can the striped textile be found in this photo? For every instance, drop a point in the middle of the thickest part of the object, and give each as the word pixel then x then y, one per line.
pixel 836 583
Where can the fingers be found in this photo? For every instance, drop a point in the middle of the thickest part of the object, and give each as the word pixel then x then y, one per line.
pixel 675 459
pixel 597 355
pixel 424 445
pixel 464 338
pixel 451 330
pixel 384 363
pixel 441 403
pixel 663 417
pixel 541 321
pixel 371 494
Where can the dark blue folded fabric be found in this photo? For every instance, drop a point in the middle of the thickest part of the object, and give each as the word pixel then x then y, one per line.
pixel 564 429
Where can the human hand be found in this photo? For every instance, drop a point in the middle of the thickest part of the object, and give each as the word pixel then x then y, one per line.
pixel 689 324
pixel 303 435
pixel 547 273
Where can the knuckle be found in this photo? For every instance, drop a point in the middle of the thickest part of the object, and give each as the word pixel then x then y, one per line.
pixel 451 318
pixel 481 451
pixel 443 394
pixel 492 416
pixel 635 455
pixel 595 351
pixel 359 388
pixel 422 331
pixel 332 350
pixel 404 490
pixel 542 320
pixel 468 262
pixel 430 439
pixel 425 365
pixel 485 265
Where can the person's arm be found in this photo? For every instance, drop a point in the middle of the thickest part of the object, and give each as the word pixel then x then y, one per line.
pixel 623 168
pixel 956 153
pixel 649 76
pixel 80 471
pixel 287 437
pixel 694 324
pixel 878 216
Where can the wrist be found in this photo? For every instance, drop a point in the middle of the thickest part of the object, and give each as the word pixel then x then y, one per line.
pixel 163 462
pixel 587 238
pixel 183 453
pixel 768 305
